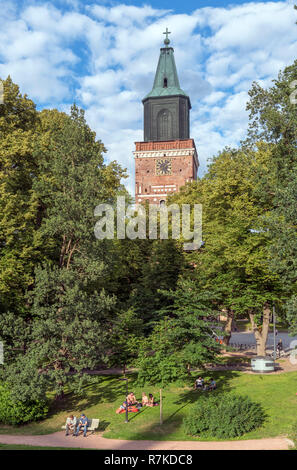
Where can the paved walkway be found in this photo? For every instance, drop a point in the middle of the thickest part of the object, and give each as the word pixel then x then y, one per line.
pixel 58 439
pixel 246 337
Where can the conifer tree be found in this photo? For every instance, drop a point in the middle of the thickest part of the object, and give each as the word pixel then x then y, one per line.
pixel 182 339
pixel 70 309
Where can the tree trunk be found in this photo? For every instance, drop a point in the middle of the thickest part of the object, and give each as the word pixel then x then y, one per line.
pixel 188 369
pixel 60 396
pixel 228 327
pixel 261 332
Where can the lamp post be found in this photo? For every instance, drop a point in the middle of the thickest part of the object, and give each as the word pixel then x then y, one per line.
pixel 274 335
pixel 126 401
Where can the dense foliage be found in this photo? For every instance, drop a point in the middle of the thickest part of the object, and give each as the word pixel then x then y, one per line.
pixel 273 119
pixel 70 303
pixel 20 412
pixel 183 339
pixel 223 416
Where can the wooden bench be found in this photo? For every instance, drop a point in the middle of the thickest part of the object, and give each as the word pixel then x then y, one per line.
pixel 93 424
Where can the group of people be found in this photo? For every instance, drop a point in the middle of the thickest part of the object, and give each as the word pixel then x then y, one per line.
pixel 148 400
pixel 74 426
pixel 132 404
pixel 201 385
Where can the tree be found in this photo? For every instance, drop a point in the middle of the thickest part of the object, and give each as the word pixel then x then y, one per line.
pixel 159 272
pixel 125 338
pixel 273 118
pixel 21 242
pixel 182 339
pixel 70 309
pixel 234 262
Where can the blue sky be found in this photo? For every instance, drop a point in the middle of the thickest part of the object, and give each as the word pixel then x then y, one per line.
pixel 103 55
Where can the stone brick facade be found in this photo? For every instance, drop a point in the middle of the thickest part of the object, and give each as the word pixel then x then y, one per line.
pixel 153 187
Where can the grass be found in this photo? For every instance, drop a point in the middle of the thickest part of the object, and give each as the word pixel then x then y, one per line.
pixel 233 360
pixel 276 393
pixel 23 447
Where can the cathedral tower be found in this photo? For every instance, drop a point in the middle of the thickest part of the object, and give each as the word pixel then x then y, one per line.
pixel 167 158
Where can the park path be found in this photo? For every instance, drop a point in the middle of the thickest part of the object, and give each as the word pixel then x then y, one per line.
pixel 58 439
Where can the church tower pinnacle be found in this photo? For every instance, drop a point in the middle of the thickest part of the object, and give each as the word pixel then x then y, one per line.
pixel 167 158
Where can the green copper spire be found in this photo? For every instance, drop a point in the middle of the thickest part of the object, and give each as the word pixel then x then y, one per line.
pixel 166 81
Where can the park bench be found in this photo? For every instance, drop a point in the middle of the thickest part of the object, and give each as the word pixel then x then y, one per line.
pixel 93 424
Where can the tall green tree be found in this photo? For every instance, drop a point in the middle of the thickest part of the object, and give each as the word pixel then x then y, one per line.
pixel 70 309
pixel 273 118
pixel 160 270
pixel 182 339
pixel 126 333
pixel 233 264
pixel 21 243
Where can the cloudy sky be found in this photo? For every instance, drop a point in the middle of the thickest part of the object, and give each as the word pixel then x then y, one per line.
pixel 103 55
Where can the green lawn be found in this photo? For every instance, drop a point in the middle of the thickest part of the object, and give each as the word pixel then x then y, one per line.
pixel 23 447
pixel 276 393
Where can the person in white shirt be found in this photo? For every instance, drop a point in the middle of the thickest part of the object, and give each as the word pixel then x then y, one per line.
pixel 199 383
pixel 70 424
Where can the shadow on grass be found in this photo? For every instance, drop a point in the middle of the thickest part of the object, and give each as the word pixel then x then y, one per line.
pixel 222 378
pixel 137 414
pixel 103 425
pixel 185 398
pixel 103 389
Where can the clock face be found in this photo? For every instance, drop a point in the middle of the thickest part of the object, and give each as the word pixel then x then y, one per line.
pixel 163 166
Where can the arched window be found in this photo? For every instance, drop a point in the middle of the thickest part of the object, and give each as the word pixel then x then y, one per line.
pixel 164 125
pixel 165 83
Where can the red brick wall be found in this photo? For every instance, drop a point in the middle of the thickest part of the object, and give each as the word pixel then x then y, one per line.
pixel 183 170
pixel 168 145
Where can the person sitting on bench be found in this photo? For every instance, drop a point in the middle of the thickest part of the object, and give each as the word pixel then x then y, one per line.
pixel 70 425
pixel 83 422
pixel 279 347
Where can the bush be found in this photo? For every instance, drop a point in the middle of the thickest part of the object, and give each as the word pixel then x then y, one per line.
pixel 20 412
pixel 223 416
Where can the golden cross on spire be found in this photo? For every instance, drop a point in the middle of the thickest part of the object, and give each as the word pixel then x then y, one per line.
pixel 167 40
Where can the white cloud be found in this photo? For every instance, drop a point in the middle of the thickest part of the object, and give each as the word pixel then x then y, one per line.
pixel 105 57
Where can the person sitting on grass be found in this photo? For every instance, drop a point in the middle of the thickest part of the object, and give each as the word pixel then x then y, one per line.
pixel 212 385
pixel 83 422
pixel 199 383
pixel 131 399
pixel 122 408
pixel 151 400
pixel 70 425
pixel 145 399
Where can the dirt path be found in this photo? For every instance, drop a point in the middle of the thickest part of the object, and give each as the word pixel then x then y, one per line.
pixel 58 439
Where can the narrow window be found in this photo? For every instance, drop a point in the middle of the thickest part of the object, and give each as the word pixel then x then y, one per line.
pixel 165 83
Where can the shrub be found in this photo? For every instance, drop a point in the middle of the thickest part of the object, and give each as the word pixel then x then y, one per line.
pixel 223 416
pixel 20 412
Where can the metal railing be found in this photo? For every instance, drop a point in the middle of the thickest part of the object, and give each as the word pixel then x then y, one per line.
pixel 242 346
